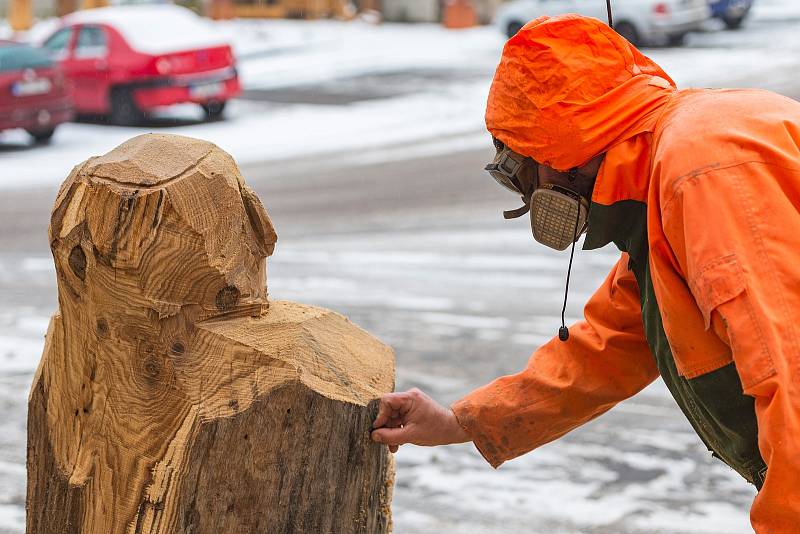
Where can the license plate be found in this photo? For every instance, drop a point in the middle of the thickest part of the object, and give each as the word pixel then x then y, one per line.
pixel 38 86
pixel 206 90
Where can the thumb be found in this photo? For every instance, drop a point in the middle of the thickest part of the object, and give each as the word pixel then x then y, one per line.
pixel 391 436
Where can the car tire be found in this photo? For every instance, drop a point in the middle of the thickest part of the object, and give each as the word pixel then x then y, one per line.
pixel 124 111
pixel 733 23
pixel 676 40
pixel 42 137
pixel 513 27
pixel 213 110
pixel 628 31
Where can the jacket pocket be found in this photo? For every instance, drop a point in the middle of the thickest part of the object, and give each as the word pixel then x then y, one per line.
pixel 721 288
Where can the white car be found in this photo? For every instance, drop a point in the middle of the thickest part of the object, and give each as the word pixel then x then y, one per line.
pixel 642 22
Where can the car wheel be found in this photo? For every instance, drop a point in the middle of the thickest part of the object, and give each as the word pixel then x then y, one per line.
pixel 677 40
pixel 42 137
pixel 733 23
pixel 213 110
pixel 513 27
pixel 628 31
pixel 124 111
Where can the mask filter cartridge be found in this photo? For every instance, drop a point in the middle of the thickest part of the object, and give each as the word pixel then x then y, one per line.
pixel 554 211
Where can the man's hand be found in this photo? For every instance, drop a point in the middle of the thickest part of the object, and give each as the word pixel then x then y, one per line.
pixel 414 417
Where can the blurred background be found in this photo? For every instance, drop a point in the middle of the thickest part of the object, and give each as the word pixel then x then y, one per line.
pixel 360 125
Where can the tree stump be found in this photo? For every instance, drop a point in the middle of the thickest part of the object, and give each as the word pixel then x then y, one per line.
pixel 172 396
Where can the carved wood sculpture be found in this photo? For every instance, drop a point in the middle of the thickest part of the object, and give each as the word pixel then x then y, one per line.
pixel 172 397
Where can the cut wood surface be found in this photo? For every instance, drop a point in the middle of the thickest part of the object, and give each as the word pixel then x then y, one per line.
pixel 172 395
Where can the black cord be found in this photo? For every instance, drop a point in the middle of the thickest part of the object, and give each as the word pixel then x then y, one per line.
pixel 563 331
pixel 608 9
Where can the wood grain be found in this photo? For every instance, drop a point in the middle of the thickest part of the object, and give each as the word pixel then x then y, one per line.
pixel 172 395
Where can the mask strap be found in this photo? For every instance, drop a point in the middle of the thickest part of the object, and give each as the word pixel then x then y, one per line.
pixel 563 331
pixel 519 212
pixel 522 210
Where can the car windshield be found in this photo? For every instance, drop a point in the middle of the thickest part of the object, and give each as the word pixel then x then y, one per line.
pixel 19 57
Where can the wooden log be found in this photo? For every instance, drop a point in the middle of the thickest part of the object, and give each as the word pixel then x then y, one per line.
pixel 172 396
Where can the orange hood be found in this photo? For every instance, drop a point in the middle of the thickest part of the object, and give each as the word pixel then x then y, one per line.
pixel 569 88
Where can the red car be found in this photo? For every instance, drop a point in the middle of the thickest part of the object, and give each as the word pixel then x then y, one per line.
pixel 127 60
pixel 33 92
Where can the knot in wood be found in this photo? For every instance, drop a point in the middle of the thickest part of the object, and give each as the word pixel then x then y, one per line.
pixel 102 328
pixel 227 298
pixel 151 366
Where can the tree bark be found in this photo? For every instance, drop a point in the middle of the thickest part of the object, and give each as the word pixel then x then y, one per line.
pixel 172 396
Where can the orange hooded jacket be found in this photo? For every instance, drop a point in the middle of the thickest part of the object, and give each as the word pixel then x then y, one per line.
pixel 700 190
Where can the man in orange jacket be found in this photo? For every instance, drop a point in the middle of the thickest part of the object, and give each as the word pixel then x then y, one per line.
pixel 699 190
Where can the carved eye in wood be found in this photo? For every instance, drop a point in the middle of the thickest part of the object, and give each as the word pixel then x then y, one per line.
pixel 77 262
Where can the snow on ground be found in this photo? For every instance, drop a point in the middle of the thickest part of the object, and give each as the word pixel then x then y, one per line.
pixel 256 133
pixel 300 52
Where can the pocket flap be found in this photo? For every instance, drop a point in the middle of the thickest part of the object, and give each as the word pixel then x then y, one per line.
pixel 718 282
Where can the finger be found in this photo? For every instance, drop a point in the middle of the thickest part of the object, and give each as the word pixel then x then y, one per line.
pixel 391 405
pixel 390 436
pixel 386 411
pixel 384 414
pixel 393 448
pixel 394 422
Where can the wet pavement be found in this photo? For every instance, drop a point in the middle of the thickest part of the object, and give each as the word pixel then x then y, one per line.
pixel 372 86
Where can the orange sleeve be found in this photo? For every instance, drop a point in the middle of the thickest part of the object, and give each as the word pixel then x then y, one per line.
pixel 565 384
pixel 735 233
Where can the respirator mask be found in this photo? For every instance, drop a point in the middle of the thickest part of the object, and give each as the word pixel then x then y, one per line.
pixel 558 214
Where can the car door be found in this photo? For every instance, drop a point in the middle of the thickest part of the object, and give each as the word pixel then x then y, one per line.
pixel 59 45
pixel 89 63
pixel 59 48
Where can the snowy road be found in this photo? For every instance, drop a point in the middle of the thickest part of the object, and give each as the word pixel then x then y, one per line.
pixel 404 235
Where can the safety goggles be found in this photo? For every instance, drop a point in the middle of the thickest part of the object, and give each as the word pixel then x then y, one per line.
pixel 509 169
